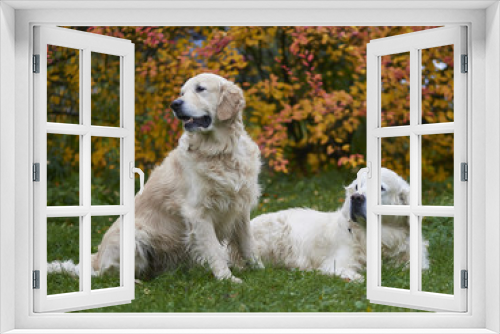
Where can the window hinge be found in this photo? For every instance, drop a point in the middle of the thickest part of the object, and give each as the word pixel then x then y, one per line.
pixel 36 172
pixel 465 279
pixel 36 279
pixel 36 63
pixel 465 64
pixel 464 167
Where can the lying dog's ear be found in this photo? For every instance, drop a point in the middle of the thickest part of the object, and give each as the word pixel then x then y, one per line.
pixel 231 101
pixel 404 195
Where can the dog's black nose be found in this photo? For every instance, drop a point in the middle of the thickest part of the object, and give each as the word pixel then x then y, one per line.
pixel 176 105
pixel 357 198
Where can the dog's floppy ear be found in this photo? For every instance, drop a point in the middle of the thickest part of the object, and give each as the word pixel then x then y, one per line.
pixel 231 101
pixel 404 195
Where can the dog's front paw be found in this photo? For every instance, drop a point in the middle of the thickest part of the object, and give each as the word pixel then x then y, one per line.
pixel 229 276
pixel 235 279
pixel 351 275
pixel 256 263
pixel 356 278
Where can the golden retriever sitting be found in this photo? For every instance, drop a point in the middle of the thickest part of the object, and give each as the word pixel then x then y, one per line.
pixel 201 195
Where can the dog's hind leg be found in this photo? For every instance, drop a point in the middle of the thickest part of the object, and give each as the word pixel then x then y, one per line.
pixel 107 257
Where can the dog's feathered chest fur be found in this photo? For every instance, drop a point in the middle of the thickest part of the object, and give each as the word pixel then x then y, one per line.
pixel 223 180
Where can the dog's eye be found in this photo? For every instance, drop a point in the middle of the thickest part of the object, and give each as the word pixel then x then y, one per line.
pixel 356 187
pixel 200 89
pixel 382 188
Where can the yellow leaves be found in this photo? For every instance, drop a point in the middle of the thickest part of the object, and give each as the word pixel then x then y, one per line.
pixel 71 155
pixel 252 42
pixel 324 39
pixel 305 87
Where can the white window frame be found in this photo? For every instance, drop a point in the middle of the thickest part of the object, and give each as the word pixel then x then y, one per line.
pixel 16 21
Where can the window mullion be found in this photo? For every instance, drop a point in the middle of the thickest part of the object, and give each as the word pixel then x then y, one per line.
pixel 415 166
pixel 81 175
pixel 85 249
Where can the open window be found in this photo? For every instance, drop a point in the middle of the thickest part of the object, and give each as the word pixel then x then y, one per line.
pixel 17 213
pixel 72 70
pixel 418 128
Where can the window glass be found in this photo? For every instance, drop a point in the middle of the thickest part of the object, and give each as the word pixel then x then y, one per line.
pixel 63 245
pixel 438 169
pixel 395 94
pixel 437 84
pixel 63 170
pixel 105 89
pixel 101 225
pixel 63 84
pixel 395 256
pixel 437 234
pixel 105 171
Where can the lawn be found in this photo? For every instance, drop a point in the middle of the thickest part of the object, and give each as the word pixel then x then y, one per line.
pixel 271 289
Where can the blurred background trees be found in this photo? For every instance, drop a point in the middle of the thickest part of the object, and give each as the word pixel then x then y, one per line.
pixel 305 89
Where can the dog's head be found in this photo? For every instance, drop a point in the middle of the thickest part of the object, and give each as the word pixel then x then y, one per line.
pixel 393 189
pixel 207 101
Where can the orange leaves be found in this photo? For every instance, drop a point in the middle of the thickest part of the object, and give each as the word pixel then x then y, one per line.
pixel 352 161
pixel 305 88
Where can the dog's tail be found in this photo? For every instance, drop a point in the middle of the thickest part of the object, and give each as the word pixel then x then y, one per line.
pixel 68 267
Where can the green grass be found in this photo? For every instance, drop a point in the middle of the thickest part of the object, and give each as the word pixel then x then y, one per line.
pixel 272 289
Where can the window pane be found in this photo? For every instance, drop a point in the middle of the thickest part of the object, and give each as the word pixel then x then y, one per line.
pixel 100 225
pixel 395 250
pixel 63 170
pixel 438 233
pixel 437 84
pixel 437 169
pixel 63 85
pixel 396 157
pixel 105 90
pixel 395 89
pixel 63 243
pixel 105 171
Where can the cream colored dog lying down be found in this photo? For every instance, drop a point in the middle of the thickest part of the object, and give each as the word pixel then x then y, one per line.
pixel 335 242
pixel 200 196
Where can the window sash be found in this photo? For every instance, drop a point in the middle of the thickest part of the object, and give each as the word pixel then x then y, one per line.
pixel 86 43
pixel 413 43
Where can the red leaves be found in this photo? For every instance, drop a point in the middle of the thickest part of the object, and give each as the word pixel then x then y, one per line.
pixel 305 87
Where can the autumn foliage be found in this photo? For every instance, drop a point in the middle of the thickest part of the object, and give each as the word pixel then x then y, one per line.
pixel 305 89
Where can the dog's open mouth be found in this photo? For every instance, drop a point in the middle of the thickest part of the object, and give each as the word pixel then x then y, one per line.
pixel 191 123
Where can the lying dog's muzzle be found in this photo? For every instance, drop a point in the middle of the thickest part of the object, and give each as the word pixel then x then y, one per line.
pixel 358 208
